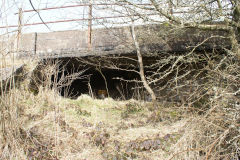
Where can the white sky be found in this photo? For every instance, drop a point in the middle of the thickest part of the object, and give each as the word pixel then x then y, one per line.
pixel 9 7
pixel 9 18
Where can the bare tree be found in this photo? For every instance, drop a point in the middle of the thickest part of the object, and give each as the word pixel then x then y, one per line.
pixel 206 81
pixel 180 16
pixel 141 66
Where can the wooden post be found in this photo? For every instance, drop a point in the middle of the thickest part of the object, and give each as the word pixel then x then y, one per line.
pixel 19 27
pixel 13 57
pixel 90 25
pixel 35 43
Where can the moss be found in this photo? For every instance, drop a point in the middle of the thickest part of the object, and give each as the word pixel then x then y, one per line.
pixel 166 24
pixel 174 114
pixel 131 108
pixel 83 112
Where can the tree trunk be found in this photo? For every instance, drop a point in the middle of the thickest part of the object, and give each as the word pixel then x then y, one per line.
pixel 141 68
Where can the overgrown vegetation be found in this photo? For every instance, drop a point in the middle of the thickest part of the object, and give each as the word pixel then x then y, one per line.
pixel 49 126
pixel 195 114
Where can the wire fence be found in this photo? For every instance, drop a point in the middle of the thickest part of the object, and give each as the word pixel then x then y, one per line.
pixel 89 17
pixel 96 14
pixel 105 10
pixel 88 6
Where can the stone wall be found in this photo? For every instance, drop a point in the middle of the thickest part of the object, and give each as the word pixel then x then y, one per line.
pixel 152 38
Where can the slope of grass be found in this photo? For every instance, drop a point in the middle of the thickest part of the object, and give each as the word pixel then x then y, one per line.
pixel 48 126
pixel 52 127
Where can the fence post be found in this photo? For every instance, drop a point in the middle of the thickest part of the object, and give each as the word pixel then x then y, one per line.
pixel 35 43
pixel 90 25
pixel 19 27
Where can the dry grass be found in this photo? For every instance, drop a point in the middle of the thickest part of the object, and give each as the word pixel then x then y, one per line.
pixel 51 127
pixel 48 126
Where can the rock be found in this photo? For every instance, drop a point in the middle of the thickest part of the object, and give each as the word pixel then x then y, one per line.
pixel 7 73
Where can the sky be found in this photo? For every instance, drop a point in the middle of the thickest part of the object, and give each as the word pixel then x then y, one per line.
pixel 9 8
pixel 8 16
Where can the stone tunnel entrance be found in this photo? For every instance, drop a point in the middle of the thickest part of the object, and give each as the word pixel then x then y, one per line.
pixel 97 76
pixel 101 84
pixel 99 79
pixel 118 77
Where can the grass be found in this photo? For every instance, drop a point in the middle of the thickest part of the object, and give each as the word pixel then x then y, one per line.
pixel 71 129
pixel 94 110
pixel 48 126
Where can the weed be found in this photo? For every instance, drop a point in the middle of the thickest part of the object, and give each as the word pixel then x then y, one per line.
pixel 131 108
pixel 83 112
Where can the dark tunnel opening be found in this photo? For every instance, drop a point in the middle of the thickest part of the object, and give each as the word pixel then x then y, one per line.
pixel 98 82
pixel 118 77
pixel 102 85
